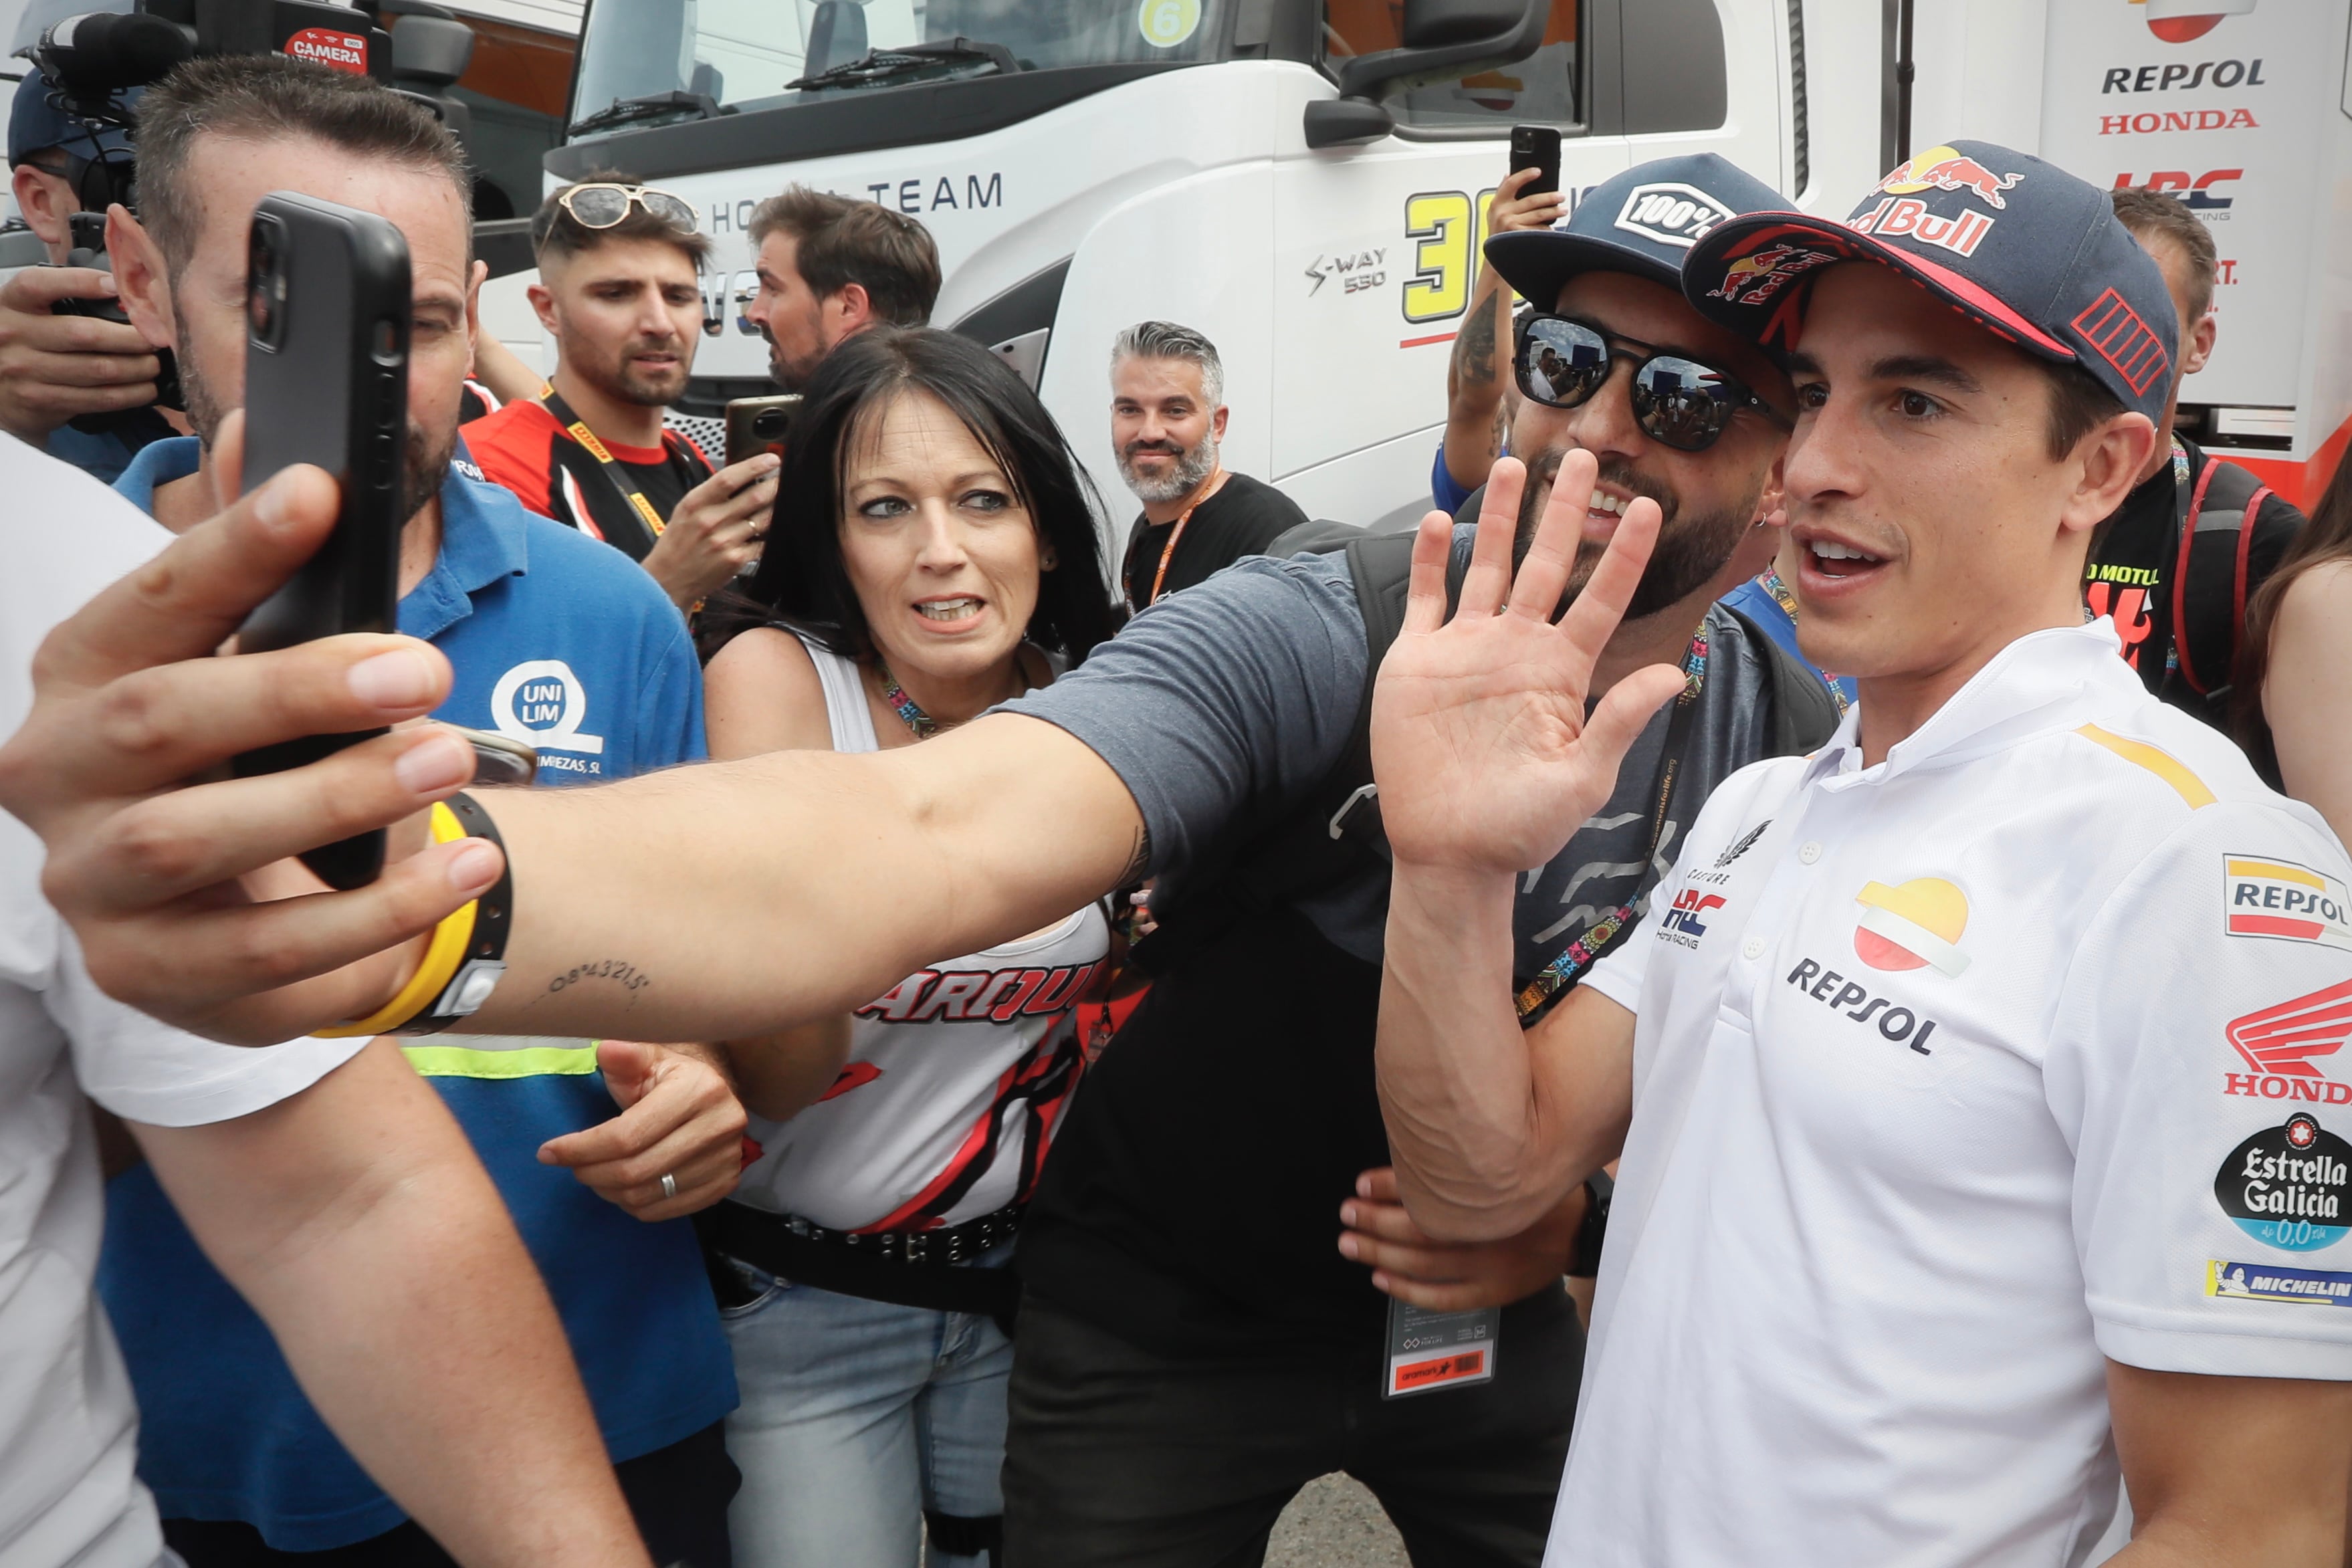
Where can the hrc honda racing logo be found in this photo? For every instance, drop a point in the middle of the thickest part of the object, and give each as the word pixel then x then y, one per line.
pixel 2286 1043
pixel 542 704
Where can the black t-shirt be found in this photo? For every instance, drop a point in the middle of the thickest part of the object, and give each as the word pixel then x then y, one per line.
pixel 1242 518
pixel 1191 1198
pixel 2130 572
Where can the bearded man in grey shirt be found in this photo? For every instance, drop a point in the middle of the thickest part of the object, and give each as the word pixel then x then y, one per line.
pixel 1194 1346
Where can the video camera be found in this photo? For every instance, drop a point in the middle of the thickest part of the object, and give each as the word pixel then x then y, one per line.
pixel 95 62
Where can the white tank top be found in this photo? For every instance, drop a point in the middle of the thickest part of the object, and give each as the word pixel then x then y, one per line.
pixel 956 1075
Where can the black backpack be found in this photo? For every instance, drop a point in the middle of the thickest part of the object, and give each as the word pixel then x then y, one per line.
pixel 2209 577
pixel 1333 832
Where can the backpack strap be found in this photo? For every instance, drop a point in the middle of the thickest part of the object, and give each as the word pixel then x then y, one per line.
pixel 1804 712
pixel 2210 574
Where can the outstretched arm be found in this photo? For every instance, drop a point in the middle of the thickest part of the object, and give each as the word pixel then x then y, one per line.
pixel 360 1225
pixel 1486 763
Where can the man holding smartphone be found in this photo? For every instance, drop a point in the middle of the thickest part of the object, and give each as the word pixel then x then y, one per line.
pixel 620 293
pixel 1196 1344
pixel 57 368
pixel 1478 393
pixel 564 646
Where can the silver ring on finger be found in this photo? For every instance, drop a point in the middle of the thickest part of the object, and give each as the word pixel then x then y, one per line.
pixel 669 1186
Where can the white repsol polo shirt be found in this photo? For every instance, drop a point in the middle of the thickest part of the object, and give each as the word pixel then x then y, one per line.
pixel 1953 1077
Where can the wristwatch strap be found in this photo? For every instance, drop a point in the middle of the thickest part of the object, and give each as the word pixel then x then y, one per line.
pixel 484 965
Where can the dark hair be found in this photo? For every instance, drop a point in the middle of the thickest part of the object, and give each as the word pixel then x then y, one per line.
pixel 801 579
pixel 2151 213
pixel 267 97
pixel 553 229
pixel 2326 537
pixel 840 241
pixel 2079 404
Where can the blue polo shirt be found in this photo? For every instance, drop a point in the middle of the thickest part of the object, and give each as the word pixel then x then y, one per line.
pixel 565 641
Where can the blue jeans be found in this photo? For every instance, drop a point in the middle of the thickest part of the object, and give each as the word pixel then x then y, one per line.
pixel 857 1418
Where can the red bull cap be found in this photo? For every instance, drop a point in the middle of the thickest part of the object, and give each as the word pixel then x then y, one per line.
pixel 2025 250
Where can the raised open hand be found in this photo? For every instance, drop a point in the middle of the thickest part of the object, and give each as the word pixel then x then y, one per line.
pixel 1485 759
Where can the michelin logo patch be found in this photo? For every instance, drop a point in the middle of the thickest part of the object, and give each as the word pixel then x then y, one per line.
pixel 542 704
pixel 1671 213
pixel 2268 1282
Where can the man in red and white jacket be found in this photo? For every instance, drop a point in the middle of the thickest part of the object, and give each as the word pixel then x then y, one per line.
pixel 623 302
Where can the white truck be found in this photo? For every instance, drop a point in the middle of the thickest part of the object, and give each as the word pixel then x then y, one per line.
pixel 1306 180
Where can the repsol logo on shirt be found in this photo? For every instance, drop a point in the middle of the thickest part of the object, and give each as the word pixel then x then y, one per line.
pixel 1900 1026
pixel 973 996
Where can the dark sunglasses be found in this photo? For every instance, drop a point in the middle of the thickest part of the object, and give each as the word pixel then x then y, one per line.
pixel 1678 403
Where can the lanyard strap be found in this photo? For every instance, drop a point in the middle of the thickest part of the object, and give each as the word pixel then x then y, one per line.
pixel 606 463
pixel 1611 928
pixel 1175 536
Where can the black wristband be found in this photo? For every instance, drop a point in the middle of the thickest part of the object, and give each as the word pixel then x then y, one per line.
pixel 1585 1262
pixel 479 971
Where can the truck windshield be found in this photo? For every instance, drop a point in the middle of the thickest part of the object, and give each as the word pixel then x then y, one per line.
pixel 642 61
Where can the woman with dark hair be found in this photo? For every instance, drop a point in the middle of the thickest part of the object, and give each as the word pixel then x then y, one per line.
pixel 2295 690
pixel 932 554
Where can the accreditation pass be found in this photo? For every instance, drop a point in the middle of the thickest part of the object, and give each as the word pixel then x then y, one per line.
pixel 1433 1350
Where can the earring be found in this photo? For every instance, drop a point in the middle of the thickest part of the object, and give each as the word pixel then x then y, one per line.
pixel 1048 561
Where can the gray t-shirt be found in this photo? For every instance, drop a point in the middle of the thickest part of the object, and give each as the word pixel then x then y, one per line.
pixel 1227 703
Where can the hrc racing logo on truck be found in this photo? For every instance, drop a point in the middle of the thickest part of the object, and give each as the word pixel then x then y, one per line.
pixel 2278 899
pixel 2284 1044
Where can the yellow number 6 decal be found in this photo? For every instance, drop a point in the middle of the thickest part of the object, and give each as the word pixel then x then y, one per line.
pixel 1440 221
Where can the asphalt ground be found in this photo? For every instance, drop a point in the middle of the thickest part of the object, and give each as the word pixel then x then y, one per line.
pixel 1335 1523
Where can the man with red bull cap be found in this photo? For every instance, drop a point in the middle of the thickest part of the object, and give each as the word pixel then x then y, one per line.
pixel 1951 1187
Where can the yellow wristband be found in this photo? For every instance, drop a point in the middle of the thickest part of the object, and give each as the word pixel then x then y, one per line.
pixel 441 958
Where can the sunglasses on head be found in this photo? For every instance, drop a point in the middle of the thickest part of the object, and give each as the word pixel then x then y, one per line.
pixel 601 206
pixel 1679 403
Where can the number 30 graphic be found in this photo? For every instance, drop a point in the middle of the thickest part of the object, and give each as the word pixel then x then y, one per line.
pixel 1439 223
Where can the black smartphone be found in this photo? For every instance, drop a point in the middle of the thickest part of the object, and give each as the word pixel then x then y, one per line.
pixel 757 424
pixel 326 381
pixel 1536 147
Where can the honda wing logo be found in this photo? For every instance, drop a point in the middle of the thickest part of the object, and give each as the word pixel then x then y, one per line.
pixel 2288 1039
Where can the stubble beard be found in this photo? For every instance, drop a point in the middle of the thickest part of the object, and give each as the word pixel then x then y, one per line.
pixel 1190 467
pixel 1690 549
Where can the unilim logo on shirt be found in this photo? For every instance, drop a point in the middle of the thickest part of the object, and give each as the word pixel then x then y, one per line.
pixel 542 704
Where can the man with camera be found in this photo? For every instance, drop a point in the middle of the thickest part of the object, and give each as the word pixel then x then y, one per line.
pixel 75 378
pixel 562 645
pixel 619 291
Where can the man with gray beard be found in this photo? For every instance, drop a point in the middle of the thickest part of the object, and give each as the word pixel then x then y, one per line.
pixel 1167 418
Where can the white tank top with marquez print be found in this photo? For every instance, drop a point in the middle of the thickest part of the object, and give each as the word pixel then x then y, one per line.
pixel 956 1075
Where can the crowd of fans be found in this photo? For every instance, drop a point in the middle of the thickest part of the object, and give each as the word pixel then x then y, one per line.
pixel 1092 1244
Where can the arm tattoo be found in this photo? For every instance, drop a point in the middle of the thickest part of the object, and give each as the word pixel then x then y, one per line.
pixel 619 971
pixel 1473 351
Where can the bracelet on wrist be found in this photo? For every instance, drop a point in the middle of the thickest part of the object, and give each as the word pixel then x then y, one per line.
pixel 467 956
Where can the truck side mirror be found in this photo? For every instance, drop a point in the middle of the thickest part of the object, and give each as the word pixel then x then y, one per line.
pixel 1441 38
pixel 1448 37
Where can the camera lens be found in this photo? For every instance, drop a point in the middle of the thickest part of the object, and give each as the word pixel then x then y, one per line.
pixel 770 423
pixel 265 285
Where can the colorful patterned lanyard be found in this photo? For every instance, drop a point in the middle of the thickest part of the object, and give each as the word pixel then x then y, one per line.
pixel 1580 955
pixel 1771 580
pixel 922 723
